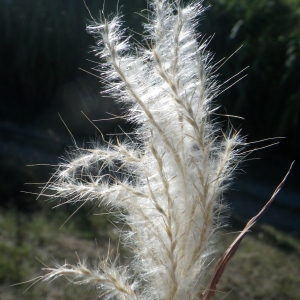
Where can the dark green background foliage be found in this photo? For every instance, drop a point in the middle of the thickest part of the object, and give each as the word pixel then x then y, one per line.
pixel 44 42
pixel 269 98
pixel 42 45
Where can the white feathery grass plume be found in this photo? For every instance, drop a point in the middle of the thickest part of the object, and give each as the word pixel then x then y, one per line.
pixel 168 184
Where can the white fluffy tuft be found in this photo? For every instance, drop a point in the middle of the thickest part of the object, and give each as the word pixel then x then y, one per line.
pixel 170 182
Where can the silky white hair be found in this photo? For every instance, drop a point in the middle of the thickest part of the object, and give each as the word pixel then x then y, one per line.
pixel 166 180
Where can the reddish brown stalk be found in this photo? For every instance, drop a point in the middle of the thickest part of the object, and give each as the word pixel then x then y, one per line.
pixel 209 292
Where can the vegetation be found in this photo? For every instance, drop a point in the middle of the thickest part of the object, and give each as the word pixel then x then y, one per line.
pixel 266 252
pixel 270 35
pixel 44 43
pixel 272 52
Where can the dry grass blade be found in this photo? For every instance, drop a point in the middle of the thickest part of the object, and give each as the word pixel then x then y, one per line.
pixel 209 292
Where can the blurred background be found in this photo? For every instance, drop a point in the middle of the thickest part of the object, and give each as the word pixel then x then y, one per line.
pixel 44 47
